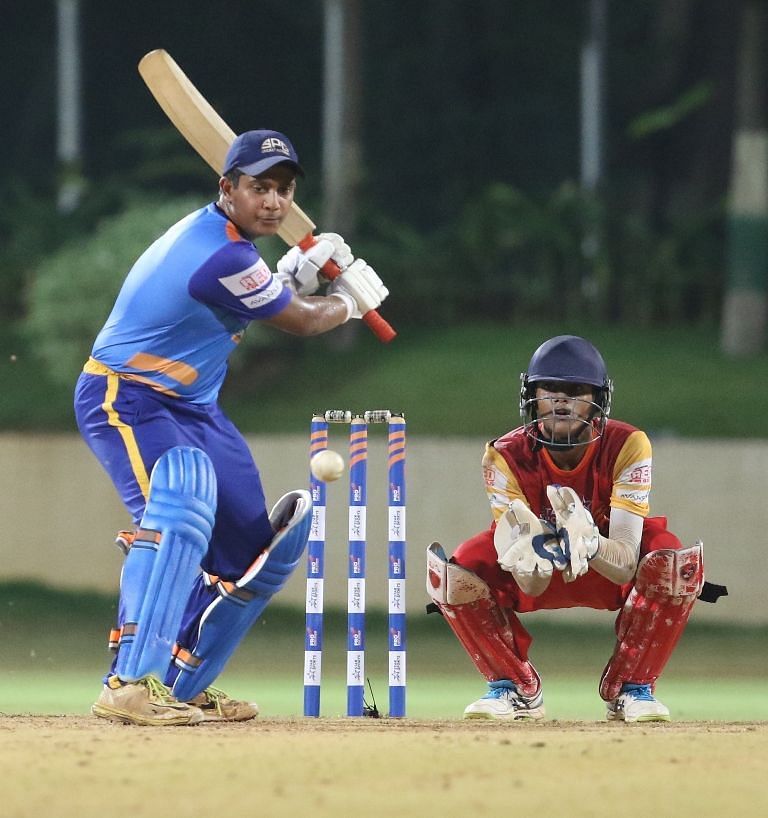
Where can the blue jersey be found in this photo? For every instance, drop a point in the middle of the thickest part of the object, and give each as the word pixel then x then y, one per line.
pixel 184 307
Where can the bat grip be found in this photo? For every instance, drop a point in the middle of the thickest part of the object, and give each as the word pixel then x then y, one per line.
pixel 330 270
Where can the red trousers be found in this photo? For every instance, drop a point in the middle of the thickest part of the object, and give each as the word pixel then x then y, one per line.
pixel 478 554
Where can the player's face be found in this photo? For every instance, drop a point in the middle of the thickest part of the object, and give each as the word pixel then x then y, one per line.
pixel 565 411
pixel 259 204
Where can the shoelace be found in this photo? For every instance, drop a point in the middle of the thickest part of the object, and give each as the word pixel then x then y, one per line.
pixel 640 692
pixel 158 691
pixel 215 697
pixel 500 691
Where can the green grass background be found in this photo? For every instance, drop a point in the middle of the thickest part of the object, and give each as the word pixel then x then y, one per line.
pixel 450 381
pixel 53 653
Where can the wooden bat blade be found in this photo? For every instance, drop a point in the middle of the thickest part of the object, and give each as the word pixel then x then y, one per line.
pixel 194 117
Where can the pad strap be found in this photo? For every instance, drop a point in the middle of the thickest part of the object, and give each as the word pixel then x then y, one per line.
pixel 710 592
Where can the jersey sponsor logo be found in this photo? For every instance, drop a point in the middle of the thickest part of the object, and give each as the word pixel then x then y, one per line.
pixel 248 280
pixel 639 498
pixel 264 297
pixel 637 473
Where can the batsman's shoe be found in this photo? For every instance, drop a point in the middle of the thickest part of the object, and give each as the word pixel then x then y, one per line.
pixel 215 705
pixel 503 702
pixel 636 703
pixel 147 702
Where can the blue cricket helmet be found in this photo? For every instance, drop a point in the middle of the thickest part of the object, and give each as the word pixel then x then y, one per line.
pixel 566 359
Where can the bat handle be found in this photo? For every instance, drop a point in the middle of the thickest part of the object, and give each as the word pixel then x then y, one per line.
pixel 330 270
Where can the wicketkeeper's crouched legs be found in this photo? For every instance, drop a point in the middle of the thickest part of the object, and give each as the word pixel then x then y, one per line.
pixel 649 626
pixel 494 640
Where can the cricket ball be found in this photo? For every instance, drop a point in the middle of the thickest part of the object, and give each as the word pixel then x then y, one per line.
pixel 327 465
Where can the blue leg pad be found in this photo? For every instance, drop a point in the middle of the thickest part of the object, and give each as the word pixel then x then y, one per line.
pixel 239 604
pixel 165 559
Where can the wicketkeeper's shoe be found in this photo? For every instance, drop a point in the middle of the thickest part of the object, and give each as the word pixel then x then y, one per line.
pixel 217 706
pixel 147 702
pixel 502 701
pixel 636 703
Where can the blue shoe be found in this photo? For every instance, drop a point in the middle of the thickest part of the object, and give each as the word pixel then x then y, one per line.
pixel 503 702
pixel 636 703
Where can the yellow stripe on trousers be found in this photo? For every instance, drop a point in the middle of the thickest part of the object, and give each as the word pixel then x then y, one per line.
pixel 126 433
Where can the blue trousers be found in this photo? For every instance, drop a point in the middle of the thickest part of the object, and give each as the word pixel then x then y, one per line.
pixel 128 426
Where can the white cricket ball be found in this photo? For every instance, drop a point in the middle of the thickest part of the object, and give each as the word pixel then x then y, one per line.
pixel 327 465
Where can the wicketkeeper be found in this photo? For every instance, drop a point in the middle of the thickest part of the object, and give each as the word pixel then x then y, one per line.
pixel 206 555
pixel 569 496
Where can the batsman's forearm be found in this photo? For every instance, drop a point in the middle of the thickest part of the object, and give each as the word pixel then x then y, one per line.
pixel 312 315
pixel 615 560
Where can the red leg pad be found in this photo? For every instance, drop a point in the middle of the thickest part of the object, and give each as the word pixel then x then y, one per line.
pixel 653 617
pixel 478 622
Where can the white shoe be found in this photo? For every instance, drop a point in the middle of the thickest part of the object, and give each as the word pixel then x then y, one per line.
pixel 217 706
pixel 147 702
pixel 636 703
pixel 503 702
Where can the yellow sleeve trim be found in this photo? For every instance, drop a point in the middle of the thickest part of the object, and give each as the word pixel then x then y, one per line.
pixel 501 485
pixel 632 475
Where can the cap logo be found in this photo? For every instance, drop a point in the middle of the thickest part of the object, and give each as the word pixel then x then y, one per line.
pixel 274 145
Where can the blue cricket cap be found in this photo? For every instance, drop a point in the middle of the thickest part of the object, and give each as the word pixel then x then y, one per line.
pixel 253 152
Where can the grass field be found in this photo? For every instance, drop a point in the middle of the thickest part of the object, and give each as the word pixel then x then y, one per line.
pixel 52 657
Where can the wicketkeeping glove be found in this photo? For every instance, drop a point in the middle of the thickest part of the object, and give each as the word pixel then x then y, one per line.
pixel 301 269
pixel 360 289
pixel 527 547
pixel 576 530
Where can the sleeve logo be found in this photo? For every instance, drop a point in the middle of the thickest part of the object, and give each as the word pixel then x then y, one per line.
pixel 264 297
pixel 638 473
pixel 247 281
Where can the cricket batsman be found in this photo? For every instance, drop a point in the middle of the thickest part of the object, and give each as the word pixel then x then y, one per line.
pixel 569 494
pixel 206 555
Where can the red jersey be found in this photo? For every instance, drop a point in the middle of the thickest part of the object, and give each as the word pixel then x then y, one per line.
pixel 615 472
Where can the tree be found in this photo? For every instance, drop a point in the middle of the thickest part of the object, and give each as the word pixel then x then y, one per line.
pixel 745 305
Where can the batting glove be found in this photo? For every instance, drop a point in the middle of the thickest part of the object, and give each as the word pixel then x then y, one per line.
pixel 300 269
pixel 360 289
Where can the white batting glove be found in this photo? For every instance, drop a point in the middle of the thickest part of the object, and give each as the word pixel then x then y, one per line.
pixel 342 252
pixel 360 289
pixel 300 269
pixel 527 547
pixel 576 530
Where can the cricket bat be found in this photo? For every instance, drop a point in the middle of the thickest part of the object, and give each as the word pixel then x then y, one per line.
pixel 197 121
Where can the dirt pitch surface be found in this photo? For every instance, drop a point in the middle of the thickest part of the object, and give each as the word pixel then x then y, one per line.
pixel 78 767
